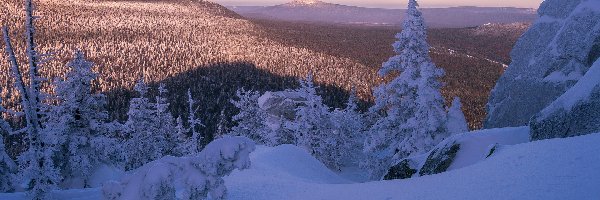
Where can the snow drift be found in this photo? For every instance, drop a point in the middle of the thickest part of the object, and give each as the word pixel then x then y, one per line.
pixel 564 168
pixel 549 169
pixel 187 177
pixel 458 151
pixel 546 61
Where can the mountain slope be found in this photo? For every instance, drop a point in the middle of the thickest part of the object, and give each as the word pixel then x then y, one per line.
pixel 186 44
pixel 318 11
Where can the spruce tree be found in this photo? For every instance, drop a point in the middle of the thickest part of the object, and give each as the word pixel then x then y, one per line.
pixel 190 137
pixel 411 104
pixel 251 119
pixel 142 143
pixel 165 123
pixel 80 120
pixel 348 128
pixel 312 126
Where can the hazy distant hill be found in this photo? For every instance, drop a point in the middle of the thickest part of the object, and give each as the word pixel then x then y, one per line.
pixel 318 11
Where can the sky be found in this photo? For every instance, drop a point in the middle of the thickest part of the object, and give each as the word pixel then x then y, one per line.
pixel 398 3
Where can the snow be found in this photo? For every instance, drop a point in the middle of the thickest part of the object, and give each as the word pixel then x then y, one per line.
pixel 549 169
pixel 581 91
pixel 546 61
pixel 105 173
pixel 474 146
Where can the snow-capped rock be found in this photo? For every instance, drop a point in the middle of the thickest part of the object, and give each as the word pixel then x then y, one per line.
pixel 458 151
pixel 576 112
pixel 280 106
pixel 548 60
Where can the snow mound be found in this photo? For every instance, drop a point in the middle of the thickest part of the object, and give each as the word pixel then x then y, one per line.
pixel 576 112
pixel 186 177
pixel 475 146
pixel 549 169
pixel 459 151
pixel 547 60
pixel 290 162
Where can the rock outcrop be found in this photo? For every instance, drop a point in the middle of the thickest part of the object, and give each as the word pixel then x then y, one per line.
pixel 576 112
pixel 547 60
pixel 458 151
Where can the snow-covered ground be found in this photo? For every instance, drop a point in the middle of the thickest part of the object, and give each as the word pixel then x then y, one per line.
pixel 549 169
pixel 565 168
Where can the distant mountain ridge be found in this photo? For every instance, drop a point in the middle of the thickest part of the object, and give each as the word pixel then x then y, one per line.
pixel 319 11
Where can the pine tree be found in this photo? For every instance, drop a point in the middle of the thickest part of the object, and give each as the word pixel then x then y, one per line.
pixel 142 144
pixel 251 119
pixel 456 119
pixel 413 111
pixel 36 166
pixel 79 119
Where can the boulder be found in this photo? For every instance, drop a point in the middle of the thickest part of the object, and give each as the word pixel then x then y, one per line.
pixel 547 60
pixel 403 170
pixel 576 112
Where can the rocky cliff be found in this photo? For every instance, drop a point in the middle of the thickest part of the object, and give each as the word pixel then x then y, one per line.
pixel 547 60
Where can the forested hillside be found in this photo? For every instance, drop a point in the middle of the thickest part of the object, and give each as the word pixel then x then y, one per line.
pixel 197 45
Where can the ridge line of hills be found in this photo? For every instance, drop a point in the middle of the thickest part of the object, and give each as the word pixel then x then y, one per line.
pixel 451 17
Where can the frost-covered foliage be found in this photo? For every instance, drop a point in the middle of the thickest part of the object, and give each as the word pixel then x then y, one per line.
pixel 414 117
pixel 456 118
pixel 576 112
pixel 251 119
pixel 348 131
pixel 312 128
pixel 145 139
pixel 331 136
pixel 547 60
pixel 79 119
pixel 36 165
pixel 190 138
pixel 165 123
pixel 7 169
pixel 196 177
pixel 301 118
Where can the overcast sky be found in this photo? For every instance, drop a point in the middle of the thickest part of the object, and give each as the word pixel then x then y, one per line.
pixel 399 3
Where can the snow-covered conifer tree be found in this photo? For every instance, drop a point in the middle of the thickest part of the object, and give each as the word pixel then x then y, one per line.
pixel 7 166
pixel 456 119
pixel 80 120
pixel 165 122
pixel 190 141
pixel 7 169
pixel 222 128
pixel 251 119
pixel 36 166
pixel 413 109
pixel 348 129
pixel 142 143
pixel 312 126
